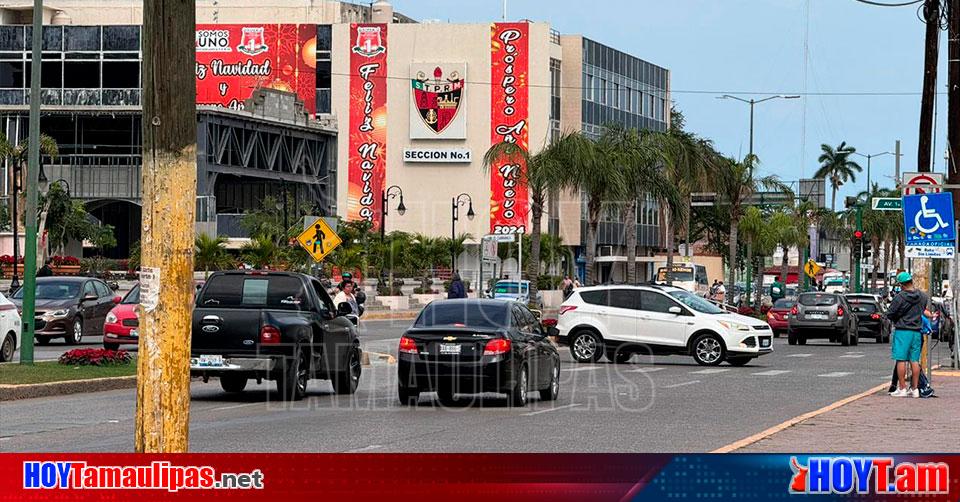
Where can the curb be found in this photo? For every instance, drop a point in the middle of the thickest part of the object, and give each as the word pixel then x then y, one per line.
pixel 389 316
pixel 30 391
pixel 368 358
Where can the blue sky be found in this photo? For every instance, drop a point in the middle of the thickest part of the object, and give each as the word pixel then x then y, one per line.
pixel 756 46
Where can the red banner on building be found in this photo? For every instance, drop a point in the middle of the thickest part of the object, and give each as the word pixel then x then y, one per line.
pixel 509 115
pixel 235 59
pixel 366 164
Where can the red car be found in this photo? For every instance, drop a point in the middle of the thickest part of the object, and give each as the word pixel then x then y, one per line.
pixel 778 316
pixel 120 327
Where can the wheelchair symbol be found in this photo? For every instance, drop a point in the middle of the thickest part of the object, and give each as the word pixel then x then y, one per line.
pixel 928 214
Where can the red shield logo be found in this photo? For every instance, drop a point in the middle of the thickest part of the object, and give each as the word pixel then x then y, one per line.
pixel 369 42
pixel 438 99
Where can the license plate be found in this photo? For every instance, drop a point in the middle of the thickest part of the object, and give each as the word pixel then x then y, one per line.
pixel 450 348
pixel 134 333
pixel 211 361
pixel 764 343
pixel 818 317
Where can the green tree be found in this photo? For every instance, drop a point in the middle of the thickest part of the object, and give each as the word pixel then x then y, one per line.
pixel 211 255
pixel 425 253
pixel 260 252
pixel 795 231
pixel 555 255
pixel 736 183
pixel 546 173
pixel 836 166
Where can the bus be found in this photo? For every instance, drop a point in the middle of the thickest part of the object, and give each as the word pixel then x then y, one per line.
pixel 689 276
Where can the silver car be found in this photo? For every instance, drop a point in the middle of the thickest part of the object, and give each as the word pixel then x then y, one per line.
pixel 822 315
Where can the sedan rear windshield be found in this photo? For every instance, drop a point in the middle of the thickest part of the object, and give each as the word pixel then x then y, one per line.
pixel 866 308
pixel 784 303
pixel 281 292
pixel 817 300
pixel 464 314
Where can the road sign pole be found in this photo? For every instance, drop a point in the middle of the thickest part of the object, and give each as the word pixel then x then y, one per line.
pixel 806 278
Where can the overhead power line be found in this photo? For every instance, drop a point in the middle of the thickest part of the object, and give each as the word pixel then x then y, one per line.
pixel 885 4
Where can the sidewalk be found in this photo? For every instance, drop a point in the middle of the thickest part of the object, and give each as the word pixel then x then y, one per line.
pixel 877 423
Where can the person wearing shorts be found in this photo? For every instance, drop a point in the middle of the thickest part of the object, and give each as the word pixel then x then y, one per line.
pixel 906 313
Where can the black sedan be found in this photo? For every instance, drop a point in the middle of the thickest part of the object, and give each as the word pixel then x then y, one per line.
pixel 472 346
pixel 871 318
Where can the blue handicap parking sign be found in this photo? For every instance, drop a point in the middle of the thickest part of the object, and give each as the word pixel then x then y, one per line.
pixel 928 219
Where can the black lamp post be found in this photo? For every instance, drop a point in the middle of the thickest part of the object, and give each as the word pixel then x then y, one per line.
pixel 15 282
pixel 385 196
pixel 455 215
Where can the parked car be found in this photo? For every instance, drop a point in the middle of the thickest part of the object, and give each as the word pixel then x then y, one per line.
pixel 280 326
pixel 69 307
pixel 822 315
pixel 620 321
pixel 122 325
pixel 470 346
pixel 516 290
pixel 778 315
pixel 9 329
pixel 871 316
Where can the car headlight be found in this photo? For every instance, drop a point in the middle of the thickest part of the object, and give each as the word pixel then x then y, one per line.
pixel 734 326
pixel 111 318
pixel 56 314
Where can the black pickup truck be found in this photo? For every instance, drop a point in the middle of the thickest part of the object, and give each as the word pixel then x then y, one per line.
pixel 273 325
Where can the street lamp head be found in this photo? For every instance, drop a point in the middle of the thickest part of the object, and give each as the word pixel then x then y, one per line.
pixel 791 96
pixel 400 207
pixel 470 213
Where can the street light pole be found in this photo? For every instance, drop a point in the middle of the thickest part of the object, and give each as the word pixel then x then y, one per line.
pixel 870 157
pixel 456 202
pixel 385 196
pixel 753 102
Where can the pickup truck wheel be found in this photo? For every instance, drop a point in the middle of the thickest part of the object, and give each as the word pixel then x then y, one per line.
pixel 292 384
pixel 233 383
pixel 408 396
pixel 347 381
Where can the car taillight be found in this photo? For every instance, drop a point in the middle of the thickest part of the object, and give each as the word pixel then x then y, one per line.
pixel 496 347
pixel 408 346
pixel 874 316
pixel 567 308
pixel 549 322
pixel 269 334
pixel 839 311
pixel 794 310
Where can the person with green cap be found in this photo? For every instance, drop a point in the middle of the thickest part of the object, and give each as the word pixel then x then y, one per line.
pixel 906 313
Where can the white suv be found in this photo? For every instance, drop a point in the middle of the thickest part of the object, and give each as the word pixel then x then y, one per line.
pixel 619 321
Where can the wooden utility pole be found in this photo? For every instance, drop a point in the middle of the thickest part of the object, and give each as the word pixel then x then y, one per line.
pixel 953 100
pixel 167 234
pixel 931 11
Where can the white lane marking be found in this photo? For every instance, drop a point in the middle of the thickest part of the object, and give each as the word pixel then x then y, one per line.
pixel 582 368
pixel 234 406
pixel 548 410
pixel 710 371
pixel 365 448
pixel 771 373
pixel 799 355
pixel 680 384
pixel 835 374
pixel 644 370
pixel 8 438
pixel 852 356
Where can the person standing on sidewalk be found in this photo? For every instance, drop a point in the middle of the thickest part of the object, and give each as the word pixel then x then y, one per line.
pixel 906 313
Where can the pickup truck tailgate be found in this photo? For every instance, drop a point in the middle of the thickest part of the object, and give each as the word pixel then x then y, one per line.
pixel 225 331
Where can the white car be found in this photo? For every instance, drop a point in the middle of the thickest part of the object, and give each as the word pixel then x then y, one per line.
pixel 9 329
pixel 620 321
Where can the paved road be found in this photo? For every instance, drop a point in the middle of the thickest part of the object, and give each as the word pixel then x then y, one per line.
pixel 650 405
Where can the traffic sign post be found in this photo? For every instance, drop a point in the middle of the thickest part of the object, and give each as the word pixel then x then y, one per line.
pixel 929 228
pixel 319 239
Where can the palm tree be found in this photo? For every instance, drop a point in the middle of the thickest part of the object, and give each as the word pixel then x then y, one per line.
pixel 555 255
pixel 545 173
pixel 796 233
pixel 210 254
pixel 736 182
pixel 835 165
pixel 18 156
pixel 261 252
pixel 454 246
pixel 424 253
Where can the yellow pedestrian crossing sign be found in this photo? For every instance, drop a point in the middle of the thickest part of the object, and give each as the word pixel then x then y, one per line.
pixel 319 239
pixel 811 268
